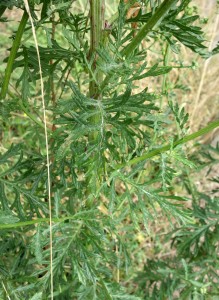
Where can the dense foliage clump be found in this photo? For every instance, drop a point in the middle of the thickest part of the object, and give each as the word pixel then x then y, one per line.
pixel 117 157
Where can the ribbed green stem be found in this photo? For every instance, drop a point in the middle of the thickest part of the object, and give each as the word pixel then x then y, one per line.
pixel 97 20
pixel 160 150
pixel 96 31
pixel 154 20
pixel 38 221
pixel 97 8
pixel 12 55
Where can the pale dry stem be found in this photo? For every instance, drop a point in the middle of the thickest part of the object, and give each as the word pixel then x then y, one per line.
pixel 47 146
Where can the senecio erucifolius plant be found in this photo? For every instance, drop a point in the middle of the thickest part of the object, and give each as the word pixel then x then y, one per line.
pixel 93 160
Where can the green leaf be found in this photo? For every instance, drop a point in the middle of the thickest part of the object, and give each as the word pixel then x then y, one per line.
pixel 7 218
pixel 12 151
pixel 37 296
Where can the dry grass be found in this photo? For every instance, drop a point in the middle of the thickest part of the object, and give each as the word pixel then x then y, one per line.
pixel 201 97
pixel 203 102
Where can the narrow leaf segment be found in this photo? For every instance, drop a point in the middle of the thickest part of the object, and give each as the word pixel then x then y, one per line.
pixel 12 55
pixel 152 22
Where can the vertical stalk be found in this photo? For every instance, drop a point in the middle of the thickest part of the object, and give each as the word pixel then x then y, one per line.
pixel 97 8
pixel 53 95
pixel 14 49
pixel 165 76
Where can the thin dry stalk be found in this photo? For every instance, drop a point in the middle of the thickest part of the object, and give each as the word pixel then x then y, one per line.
pixel 47 145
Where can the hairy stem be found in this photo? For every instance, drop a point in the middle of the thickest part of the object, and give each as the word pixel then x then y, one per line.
pixel 97 8
pixel 12 55
pixel 97 20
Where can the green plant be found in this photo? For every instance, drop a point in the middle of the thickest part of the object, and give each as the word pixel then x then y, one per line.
pixel 190 271
pixel 111 164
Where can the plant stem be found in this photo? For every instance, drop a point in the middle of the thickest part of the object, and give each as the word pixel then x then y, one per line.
pixel 37 221
pixel 165 63
pixel 164 82
pixel 12 55
pixel 97 8
pixel 52 85
pixel 160 150
pixel 96 19
pixel 154 20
